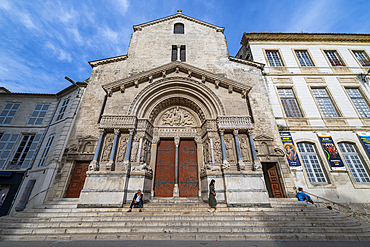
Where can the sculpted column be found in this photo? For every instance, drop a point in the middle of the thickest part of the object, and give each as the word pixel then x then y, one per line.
pixel 224 158
pixel 256 163
pixel 139 151
pixel 176 192
pixel 113 151
pixel 94 166
pixel 212 151
pixel 200 160
pixel 153 158
pixel 239 155
pixel 128 151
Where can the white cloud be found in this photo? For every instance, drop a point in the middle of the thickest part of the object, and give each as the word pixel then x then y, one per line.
pixel 76 35
pixel 4 4
pixel 122 6
pixel 27 21
pixel 60 53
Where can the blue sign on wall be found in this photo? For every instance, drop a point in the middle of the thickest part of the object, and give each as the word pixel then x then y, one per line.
pixel 290 151
pixel 331 151
pixel 365 139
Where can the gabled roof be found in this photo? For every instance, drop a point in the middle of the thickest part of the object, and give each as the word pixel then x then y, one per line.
pixel 178 15
pixel 306 37
pixel 107 60
pixel 176 67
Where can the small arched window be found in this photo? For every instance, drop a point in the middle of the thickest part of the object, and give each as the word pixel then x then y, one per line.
pixel 178 28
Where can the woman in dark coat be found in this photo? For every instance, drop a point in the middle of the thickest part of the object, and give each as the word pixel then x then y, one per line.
pixel 212 196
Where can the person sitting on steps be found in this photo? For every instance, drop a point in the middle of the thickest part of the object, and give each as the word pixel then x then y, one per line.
pixel 137 200
pixel 303 196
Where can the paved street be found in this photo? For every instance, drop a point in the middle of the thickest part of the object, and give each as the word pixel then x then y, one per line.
pixel 153 243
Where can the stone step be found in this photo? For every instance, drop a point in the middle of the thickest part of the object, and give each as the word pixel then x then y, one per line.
pixel 193 236
pixel 192 223
pixel 176 213
pixel 182 229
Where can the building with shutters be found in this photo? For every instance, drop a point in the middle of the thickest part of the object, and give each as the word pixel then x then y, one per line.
pixel 319 94
pixel 172 114
pixel 33 132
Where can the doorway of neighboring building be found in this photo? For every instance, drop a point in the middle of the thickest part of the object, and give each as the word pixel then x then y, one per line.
pixel 78 180
pixel 272 180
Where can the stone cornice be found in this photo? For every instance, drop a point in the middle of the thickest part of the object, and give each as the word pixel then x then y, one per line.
pixel 176 67
pixel 107 60
pixel 250 63
pixel 306 37
pixel 139 27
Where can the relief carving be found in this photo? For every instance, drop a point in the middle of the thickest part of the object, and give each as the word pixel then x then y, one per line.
pixel 177 117
pixel 244 148
pixel 107 147
pixel 122 147
pixel 134 149
pixel 230 153
pixel 217 150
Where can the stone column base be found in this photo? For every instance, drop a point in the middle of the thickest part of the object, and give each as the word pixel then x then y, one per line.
pixel 139 180
pixel 103 189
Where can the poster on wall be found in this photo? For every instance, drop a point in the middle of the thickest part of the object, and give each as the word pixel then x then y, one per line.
pixel 4 190
pixel 331 152
pixel 290 151
pixel 365 139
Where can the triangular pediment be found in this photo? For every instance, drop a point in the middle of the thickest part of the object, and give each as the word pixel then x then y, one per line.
pixel 263 138
pixel 179 16
pixel 174 69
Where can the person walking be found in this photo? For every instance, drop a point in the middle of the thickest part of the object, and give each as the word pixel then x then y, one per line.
pixel 212 196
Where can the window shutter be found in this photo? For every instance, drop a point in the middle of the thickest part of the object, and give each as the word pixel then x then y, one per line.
pixel 31 151
pixel 7 143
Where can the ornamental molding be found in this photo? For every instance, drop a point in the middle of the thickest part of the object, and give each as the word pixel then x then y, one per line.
pixel 179 16
pixel 306 37
pixel 234 122
pixel 107 60
pixel 176 67
pixel 176 132
pixel 118 122
pixel 250 63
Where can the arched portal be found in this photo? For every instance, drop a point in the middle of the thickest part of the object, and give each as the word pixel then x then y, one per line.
pixel 177 107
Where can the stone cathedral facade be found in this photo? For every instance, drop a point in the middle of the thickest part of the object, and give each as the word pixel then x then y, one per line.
pixel 172 114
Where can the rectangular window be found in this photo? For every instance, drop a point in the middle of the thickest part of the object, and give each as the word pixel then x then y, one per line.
pixel 174 53
pixel 289 102
pixel 359 101
pixel 326 105
pixel 25 151
pixel 304 59
pixel 38 114
pixel 334 58
pixel 362 57
pixel 63 108
pixel 46 150
pixel 7 143
pixel 354 163
pixel 311 163
pixel 183 53
pixel 8 113
pixel 274 58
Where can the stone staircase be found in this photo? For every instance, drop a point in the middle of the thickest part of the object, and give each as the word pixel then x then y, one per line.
pixel 163 219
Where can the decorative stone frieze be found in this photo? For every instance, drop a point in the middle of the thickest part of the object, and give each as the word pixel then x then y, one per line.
pixel 234 122
pixel 121 122
pixel 177 132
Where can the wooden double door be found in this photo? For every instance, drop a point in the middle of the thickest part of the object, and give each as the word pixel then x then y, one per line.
pixel 272 180
pixel 188 181
pixel 78 180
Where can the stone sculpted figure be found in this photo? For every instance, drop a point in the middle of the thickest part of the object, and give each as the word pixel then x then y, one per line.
pixel 229 150
pixel 244 148
pixel 107 148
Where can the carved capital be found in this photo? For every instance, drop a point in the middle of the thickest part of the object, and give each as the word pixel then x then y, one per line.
pixel 198 140
pixel 230 89
pixel 177 140
pixel 117 131
pixel 155 140
pixel 236 132
pixel 101 131
pixel 131 131
pixel 250 132
pixel 222 132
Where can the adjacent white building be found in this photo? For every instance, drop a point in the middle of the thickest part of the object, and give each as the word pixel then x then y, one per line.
pixel 320 99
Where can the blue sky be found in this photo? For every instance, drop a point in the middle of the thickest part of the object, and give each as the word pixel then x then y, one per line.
pixel 42 41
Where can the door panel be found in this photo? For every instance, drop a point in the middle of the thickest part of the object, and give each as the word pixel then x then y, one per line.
pixel 165 169
pixel 78 180
pixel 274 181
pixel 188 169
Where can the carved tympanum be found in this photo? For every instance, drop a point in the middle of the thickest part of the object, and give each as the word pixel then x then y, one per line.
pixel 177 117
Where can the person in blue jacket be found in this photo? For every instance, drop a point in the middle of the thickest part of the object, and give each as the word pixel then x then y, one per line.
pixel 303 196
pixel 137 200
